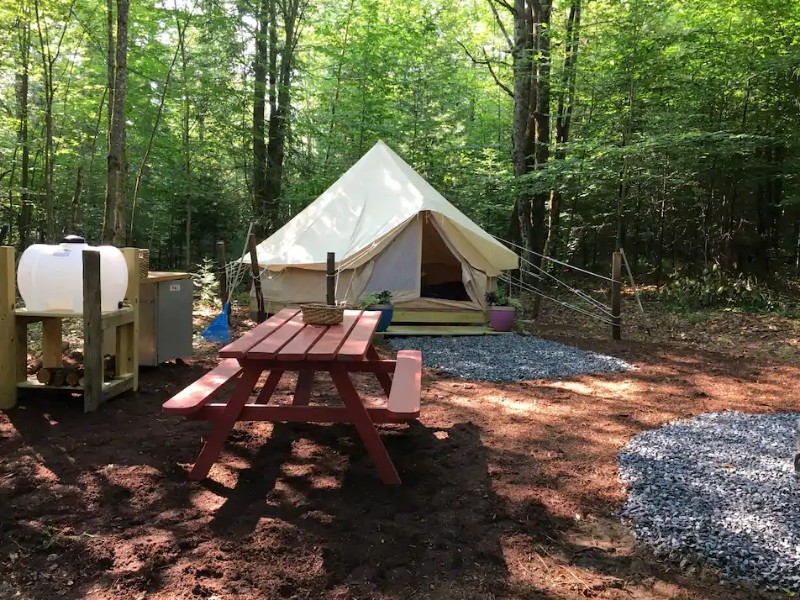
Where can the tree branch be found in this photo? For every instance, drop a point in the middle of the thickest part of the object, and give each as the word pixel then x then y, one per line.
pixel 488 63
pixel 500 21
pixel 505 5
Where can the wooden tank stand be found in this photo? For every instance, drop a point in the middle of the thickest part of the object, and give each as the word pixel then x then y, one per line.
pixel 124 323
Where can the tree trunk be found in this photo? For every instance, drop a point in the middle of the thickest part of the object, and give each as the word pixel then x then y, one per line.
pixel 279 115
pixel 109 64
pixel 75 211
pixel 95 135
pixel 522 136
pixel 49 169
pixel 272 86
pixel 566 101
pixel 531 119
pixel 116 182
pixel 22 117
pixel 259 118
pixel 187 156
pixel 660 238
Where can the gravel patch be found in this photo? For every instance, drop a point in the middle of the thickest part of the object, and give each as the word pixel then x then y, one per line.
pixel 720 487
pixel 507 357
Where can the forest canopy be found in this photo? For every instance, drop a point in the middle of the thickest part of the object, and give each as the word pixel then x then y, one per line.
pixel 668 128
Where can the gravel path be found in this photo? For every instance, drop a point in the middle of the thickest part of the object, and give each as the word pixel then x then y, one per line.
pixel 506 357
pixel 719 487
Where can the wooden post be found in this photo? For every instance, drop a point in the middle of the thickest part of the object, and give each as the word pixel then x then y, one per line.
pixel 616 296
pixel 92 332
pixel 51 342
pixel 8 330
pixel 223 276
pixel 128 334
pixel 261 315
pixel 330 296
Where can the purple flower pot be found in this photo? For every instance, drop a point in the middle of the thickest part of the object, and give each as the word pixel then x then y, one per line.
pixel 501 318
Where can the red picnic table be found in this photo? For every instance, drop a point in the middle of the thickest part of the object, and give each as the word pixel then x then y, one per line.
pixel 284 343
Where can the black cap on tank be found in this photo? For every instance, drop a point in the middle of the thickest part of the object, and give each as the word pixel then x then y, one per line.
pixel 72 239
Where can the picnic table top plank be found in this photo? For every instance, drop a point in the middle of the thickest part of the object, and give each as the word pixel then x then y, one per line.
pixel 357 343
pixel 330 343
pixel 238 348
pixel 269 347
pixel 301 343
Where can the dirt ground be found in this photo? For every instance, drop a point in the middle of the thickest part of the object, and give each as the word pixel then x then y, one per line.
pixel 510 490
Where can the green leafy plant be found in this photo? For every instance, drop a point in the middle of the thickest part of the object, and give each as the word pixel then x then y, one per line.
pixel 367 302
pixel 500 298
pixel 206 284
pixel 383 298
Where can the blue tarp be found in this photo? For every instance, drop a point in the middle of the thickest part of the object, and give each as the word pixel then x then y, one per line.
pixel 217 331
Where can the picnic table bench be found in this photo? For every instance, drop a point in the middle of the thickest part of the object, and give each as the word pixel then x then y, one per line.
pixel 284 343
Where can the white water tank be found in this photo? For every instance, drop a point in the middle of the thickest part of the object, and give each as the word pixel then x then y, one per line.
pixel 50 277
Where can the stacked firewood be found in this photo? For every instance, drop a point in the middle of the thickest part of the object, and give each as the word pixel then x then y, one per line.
pixel 71 372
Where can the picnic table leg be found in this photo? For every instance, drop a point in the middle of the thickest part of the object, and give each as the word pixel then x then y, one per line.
pixel 383 378
pixel 302 391
pixel 213 446
pixel 269 386
pixel 364 426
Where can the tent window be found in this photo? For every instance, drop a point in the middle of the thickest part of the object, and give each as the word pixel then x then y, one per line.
pixel 441 270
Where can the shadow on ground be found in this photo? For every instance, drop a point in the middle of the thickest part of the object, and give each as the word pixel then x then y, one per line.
pixel 509 491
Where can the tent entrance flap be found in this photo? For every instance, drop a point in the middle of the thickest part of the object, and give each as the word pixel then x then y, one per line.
pixel 396 267
pixel 441 273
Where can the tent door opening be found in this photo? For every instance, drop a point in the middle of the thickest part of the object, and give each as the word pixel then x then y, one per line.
pixel 440 270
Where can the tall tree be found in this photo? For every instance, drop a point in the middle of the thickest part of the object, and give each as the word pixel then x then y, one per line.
pixel 116 180
pixel 187 151
pixel 260 195
pixel 273 68
pixel 530 51
pixel 49 57
pixel 23 84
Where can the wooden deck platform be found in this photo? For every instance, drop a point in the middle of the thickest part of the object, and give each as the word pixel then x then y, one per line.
pixel 444 322
pixel 444 330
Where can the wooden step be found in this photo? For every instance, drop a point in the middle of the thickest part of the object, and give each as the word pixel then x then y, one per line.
pixel 449 317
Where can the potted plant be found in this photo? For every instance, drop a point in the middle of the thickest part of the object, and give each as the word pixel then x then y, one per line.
pixel 381 301
pixel 502 310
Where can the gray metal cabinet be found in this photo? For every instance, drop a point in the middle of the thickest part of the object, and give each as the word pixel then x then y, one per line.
pixel 165 317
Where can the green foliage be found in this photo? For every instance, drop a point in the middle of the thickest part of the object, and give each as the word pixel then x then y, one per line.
pixel 383 298
pixel 716 289
pixel 682 140
pixel 206 284
pixel 500 298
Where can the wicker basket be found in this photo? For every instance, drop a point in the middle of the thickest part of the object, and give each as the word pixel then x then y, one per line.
pixel 144 263
pixel 322 314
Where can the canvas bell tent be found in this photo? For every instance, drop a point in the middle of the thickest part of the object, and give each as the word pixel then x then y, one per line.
pixel 390 230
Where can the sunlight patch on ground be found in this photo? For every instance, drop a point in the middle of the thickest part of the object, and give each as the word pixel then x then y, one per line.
pixel 599 386
pixel 506 404
pixel 207 500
